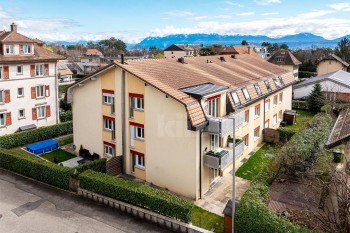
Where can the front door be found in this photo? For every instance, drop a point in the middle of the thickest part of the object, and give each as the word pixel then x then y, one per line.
pixel 214 175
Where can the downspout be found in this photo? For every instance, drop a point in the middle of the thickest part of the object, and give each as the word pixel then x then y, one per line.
pixel 124 117
pixel 56 96
pixel 264 114
pixel 200 163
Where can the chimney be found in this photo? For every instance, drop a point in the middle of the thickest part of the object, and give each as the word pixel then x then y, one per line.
pixel 122 58
pixel 13 27
pixel 249 50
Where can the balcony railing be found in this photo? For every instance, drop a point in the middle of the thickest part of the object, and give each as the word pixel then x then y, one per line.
pixel 224 125
pixel 224 157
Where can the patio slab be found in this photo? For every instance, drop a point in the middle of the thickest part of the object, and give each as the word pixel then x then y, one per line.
pixel 72 162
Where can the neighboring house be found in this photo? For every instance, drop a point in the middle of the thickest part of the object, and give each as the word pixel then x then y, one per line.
pixel 285 59
pixel 182 50
pixel 64 73
pixel 170 118
pixel 262 51
pixel 331 63
pixel 336 86
pixel 91 61
pixel 28 83
pixel 236 50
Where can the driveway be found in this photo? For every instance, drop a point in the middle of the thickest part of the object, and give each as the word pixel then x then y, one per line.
pixel 32 207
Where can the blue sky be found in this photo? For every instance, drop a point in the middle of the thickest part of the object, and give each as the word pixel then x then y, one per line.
pixel 133 20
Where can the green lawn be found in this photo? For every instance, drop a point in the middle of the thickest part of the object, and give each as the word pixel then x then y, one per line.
pixel 207 220
pixel 250 169
pixel 66 141
pixel 303 117
pixel 60 155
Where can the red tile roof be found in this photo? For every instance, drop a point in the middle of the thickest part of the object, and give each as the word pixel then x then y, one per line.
pixel 93 52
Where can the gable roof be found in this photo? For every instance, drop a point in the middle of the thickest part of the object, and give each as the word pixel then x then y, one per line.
pixel 183 47
pixel 237 50
pixel 284 57
pixel 93 52
pixel 63 69
pixel 334 57
pixel 341 77
pixel 341 130
pixel 171 77
pixel 15 37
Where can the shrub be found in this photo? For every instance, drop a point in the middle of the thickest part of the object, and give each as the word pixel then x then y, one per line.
pixel 338 157
pixel 252 215
pixel 286 134
pixel 66 116
pixel 97 165
pixel 65 106
pixel 36 168
pixel 35 135
pixel 300 104
pixel 134 193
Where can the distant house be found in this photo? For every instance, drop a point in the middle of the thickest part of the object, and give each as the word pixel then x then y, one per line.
pixel 182 50
pixel 331 63
pixel 64 73
pixel 236 50
pixel 285 59
pixel 91 61
pixel 335 85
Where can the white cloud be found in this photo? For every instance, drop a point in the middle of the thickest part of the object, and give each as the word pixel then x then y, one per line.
pixel 343 6
pixel 233 4
pixel 4 14
pixel 270 13
pixel 267 2
pixel 178 13
pixel 315 14
pixel 246 13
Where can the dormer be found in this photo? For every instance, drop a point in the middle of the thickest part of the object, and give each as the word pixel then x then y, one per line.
pixel 14 43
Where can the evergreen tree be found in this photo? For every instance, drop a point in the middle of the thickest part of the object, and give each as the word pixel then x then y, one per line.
pixel 244 42
pixel 316 99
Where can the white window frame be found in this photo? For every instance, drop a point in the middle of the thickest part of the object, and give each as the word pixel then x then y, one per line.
pixel 27 49
pixel 213 107
pixel 37 91
pixel 2 124
pixel 235 98
pixel 246 93
pixel 9 49
pixel 18 95
pixel 275 100
pixel 109 151
pixel 41 116
pixel 24 113
pixel 257 110
pixel 214 142
pixel 256 137
pixel 257 89
pixel 268 86
pixel 279 97
pixel 274 120
pixel 280 115
pixel 108 124
pixel 267 105
pixel 21 69
pixel 41 70
pixel 139 133
pixel 246 122
pixel 108 98
pixel 2 96
pixel 138 103
pixel 139 161
pixel 1 72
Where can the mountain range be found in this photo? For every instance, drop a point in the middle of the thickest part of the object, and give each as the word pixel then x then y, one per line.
pixel 298 41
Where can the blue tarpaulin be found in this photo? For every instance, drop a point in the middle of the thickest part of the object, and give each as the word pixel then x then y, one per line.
pixel 43 147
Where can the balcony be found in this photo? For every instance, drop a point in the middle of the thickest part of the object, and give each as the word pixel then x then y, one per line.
pixel 224 125
pixel 223 156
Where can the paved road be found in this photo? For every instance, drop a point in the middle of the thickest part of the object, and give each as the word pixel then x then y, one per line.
pixel 30 207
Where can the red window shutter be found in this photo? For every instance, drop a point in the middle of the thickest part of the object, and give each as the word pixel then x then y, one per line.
pixel 34 114
pixel 46 69
pixel 47 91
pixel 32 70
pixel 48 111
pixel 8 119
pixel 7 96
pixel 6 72
pixel 33 93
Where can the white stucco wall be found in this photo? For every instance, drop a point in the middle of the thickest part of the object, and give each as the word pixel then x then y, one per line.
pixel 327 86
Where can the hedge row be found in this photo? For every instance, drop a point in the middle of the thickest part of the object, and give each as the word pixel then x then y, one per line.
pixel 35 135
pixel 97 166
pixel 300 104
pixel 252 215
pixel 286 134
pixel 66 116
pixel 134 193
pixel 36 168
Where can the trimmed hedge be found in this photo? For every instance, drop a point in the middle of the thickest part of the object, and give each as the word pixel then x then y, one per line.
pixel 36 168
pixel 134 193
pixel 252 215
pixel 300 104
pixel 66 116
pixel 286 134
pixel 96 165
pixel 35 135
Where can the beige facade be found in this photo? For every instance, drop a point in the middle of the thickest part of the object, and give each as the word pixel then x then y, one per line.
pixel 329 66
pixel 177 54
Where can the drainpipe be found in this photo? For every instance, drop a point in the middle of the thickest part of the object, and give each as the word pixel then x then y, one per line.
pixel 200 163
pixel 123 117
pixel 56 96
pixel 264 114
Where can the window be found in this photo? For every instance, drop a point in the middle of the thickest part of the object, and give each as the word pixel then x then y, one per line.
pixel 267 124
pixel 27 49
pixel 20 92
pixel 235 98
pixel 274 120
pixel 257 111
pixel 2 119
pixel 136 103
pixel 280 115
pixel 39 70
pixel 281 97
pixel 140 133
pixel 1 74
pixel 40 91
pixel 277 83
pixel 213 107
pixel 108 98
pixel 19 69
pixel 214 142
pixel 246 141
pixel 9 49
pixel 109 150
pixel 281 80
pixel 139 161
pixel 275 98
pixel 2 97
pixel 139 103
pixel 246 93
pixel 246 117
pixel 280 59
pixel 268 87
pixel 256 133
pixel 267 105
pixel 108 124
pixel 21 114
pixel 41 113
pixel 257 88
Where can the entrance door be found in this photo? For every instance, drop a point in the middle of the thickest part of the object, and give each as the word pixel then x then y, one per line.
pixel 214 175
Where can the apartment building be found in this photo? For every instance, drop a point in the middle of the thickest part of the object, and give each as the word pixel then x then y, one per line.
pixel 285 59
pixel 170 119
pixel 28 83
pixel 182 50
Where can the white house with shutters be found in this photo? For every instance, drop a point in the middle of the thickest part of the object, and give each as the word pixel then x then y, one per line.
pixel 28 83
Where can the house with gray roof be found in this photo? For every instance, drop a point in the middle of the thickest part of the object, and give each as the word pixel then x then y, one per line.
pixel 182 50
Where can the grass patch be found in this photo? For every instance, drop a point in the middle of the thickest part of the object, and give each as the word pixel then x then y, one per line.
pixel 250 169
pixel 58 156
pixel 66 141
pixel 303 118
pixel 207 220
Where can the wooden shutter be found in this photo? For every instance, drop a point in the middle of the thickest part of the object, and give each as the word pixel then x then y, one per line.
pixel 7 96
pixel 8 119
pixel 47 90
pixel 6 72
pixel 33 91
pixel 32 70
pixel 34 114
pixel 48 111
pixel 46 69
